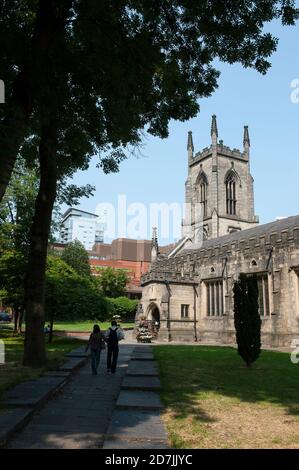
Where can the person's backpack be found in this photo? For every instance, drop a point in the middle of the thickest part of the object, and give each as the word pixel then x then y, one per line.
pixel 112 338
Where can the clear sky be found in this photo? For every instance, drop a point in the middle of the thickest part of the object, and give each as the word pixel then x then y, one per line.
pixel 244 97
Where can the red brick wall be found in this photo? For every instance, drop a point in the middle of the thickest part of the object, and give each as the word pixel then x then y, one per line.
pixel 135 268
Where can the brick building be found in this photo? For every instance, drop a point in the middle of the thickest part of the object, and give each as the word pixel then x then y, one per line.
pixel 134 256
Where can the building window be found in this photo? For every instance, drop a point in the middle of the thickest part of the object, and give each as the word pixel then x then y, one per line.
pixel 184 311
pixel 203 198
pixel 264 299
pixel 215 304
pixel 231 200
pixel 202 191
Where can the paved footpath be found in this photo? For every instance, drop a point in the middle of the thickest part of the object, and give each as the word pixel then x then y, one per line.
pixel 78 417
pixel 103 411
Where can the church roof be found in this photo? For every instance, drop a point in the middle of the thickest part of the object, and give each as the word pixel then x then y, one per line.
pixel 286 224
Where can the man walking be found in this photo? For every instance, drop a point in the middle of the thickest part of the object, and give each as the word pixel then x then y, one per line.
pixel 113 335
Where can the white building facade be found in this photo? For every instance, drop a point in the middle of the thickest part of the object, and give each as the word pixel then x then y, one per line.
pixel 83 226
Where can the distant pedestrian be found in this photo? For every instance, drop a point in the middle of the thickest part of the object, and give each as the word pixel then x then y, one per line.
pixel 96 343
pixel 47 329
pixel 113 335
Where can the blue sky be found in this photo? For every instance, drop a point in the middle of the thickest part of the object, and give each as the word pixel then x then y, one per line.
pixel 244 97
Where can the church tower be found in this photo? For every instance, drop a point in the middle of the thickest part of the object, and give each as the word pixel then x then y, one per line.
pixel 219 189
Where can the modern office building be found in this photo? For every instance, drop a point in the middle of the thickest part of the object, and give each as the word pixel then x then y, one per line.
pixel 83 226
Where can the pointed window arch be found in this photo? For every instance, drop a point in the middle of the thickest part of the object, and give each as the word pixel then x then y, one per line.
pixel 202 185
pixel 231 193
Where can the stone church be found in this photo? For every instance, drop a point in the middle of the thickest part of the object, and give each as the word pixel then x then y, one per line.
pixel 188 292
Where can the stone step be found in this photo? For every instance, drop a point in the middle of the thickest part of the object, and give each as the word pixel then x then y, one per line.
pixel 142 357
pixel 73 364
pixel 138 368
pixel 57 373
pixel 79 352
pixel 142 349
pixel 11 421
pixel 129 399
pixel 32 392
pixel 141 383
pixel 136 425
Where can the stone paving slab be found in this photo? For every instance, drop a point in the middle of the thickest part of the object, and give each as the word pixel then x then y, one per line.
pixel 142 368
pixel 79 352
pixel 119 444
pixel 78 417
pixel 32 392
pixel 136 425
pixel 142 348
pixel 48 439
pixel 141 383
pixel 142 357
pixel 138 400
pixel 11 420
pixel 73 364
pixel 57 373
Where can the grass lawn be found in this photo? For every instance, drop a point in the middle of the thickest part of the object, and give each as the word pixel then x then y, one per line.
pixel 13 372
pixel 213 401
pixel 86 326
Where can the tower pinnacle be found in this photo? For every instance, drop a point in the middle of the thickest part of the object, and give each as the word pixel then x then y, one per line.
pixel 246 140
pixel 214 130
pixel 190 146
pixel 155 248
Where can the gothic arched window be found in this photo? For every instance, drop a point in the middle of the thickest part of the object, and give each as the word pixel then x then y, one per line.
pixel 202 184
pixel 231 199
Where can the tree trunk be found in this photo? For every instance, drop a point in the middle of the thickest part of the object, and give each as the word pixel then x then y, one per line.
pixel 35 351
pixel 16 319
pixel 21 316
pixel 50 24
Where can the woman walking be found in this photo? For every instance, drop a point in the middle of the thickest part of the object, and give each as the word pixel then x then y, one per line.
pixel 96 343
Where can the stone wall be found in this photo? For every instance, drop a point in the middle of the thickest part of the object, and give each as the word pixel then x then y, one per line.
pixel 215 162
pixel 271 250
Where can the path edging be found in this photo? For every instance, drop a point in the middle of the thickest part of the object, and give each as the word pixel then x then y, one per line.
pixel 6 434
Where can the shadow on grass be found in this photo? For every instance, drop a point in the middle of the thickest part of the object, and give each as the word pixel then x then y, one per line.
pixel 13 372
pixel 190 374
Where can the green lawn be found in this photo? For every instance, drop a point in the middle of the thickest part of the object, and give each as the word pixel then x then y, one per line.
pixel 213 401
pixel 86 326
pixel 13 372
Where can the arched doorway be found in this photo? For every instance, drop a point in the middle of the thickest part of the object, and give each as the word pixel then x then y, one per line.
pixel 153 317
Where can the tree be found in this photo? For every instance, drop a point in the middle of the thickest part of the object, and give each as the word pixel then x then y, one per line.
pixel 16 216
pixel 17 208
pixel 12 273
pixel 69 296
pixel 169 45
pixel 76 256
pixel 247 318
pixel 93 75
pixel 30 33
pixel 111 282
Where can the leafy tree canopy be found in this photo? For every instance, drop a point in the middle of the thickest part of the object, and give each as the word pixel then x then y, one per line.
pixel 12 272
pixel 76 256
pixel 111 282
pixel 119 67
pixel 70 296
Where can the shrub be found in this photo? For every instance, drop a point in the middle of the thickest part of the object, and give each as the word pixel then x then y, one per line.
pixel 247 319
pixel 70 296
pixel 124 307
